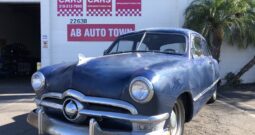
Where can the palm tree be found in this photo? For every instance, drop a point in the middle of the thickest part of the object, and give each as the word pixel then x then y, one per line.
pixel 233 20
pixel 219 20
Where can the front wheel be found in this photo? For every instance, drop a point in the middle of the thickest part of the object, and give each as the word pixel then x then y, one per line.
pixel 177 118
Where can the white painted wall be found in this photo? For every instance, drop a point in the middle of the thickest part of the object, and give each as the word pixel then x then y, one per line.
pixel 160 13
pixel 234 58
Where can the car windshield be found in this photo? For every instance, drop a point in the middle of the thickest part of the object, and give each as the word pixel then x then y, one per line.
pixel 150 42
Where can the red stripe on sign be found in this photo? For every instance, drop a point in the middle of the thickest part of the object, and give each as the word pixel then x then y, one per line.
pixel 97 32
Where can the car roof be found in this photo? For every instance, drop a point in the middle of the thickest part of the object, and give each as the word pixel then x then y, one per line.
pixel 164 30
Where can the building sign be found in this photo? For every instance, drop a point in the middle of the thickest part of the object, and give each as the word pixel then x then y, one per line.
pixel 97 32
pixel 128 8
pixel 99 7
pixel 80 17
pixel 70 7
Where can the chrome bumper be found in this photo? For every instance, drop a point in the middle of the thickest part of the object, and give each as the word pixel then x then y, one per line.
pixel 141 125
pixel 47 125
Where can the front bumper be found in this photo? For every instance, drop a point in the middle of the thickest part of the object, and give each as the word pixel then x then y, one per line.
pixel 47 125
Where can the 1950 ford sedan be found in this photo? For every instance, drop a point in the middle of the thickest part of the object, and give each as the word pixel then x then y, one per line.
pixel 148 82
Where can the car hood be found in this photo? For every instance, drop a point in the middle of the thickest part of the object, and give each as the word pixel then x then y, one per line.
pixel 109 76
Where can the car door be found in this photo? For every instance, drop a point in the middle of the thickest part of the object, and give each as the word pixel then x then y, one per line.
pixel 210 62
pixel 201 67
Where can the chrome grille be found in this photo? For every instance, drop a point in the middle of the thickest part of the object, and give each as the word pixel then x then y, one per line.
pixel 53 104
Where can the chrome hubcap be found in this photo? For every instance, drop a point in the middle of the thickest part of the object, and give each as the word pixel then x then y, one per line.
pixel 215 95
pixel 173 120
pixel 173 123
pixel 176 120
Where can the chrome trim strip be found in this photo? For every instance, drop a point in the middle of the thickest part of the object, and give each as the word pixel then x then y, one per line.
pixel 52 95
pixel 95 100
pixel 48 104
pixel 127 117
pixel 102 101
pixel 206 90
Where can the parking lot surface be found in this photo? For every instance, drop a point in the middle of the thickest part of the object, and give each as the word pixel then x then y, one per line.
pixel 222 118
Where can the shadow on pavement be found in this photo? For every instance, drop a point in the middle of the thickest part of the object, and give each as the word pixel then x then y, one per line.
pixel 242 97
pixel 18 127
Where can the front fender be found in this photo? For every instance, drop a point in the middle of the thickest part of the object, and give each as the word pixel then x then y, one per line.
pixel 169 82
pixel 58 77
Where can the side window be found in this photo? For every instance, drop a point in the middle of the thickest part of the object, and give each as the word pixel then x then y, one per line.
pixel 205 48
pixel 196 47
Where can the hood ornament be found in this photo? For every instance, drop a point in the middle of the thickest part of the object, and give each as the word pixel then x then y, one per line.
pixel 83 59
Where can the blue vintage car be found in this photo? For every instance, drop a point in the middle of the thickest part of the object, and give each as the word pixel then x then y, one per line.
pixel 148 82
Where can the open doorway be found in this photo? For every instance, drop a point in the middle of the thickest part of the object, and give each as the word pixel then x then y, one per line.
pixel 19 39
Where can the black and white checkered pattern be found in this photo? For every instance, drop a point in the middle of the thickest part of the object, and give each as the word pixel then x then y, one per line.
pixel 128 12
pixel 70 12
pixel 99 12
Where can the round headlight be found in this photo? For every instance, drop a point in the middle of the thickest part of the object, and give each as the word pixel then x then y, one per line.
pixel 38 81
pixel 141 90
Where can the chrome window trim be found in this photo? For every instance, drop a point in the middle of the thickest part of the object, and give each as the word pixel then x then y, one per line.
pixel 206 90
pixel 94 100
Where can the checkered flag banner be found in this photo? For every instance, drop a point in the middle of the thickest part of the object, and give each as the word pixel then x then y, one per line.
pixel 73 8
pixel 128 8
pixel 70 12
pixel 99 9
pixel 129 12
pixel 99 12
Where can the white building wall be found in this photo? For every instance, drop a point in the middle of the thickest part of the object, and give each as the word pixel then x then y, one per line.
pixel 160 13
pixel 234 58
